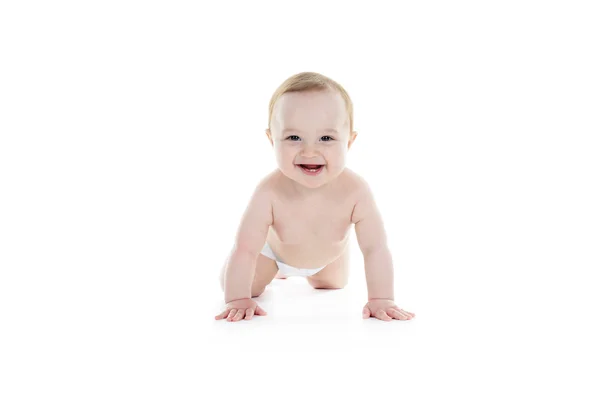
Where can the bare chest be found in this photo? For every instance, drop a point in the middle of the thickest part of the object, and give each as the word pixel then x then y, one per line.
pixel 312 231
pixel 322 222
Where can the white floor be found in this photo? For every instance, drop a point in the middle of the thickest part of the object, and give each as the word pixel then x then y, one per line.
pixel 485 334
pixel 141 325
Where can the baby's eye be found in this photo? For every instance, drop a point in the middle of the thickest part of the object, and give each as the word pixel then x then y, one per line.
pixel 324 138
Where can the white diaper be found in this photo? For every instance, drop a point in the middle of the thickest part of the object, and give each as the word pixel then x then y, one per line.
pixel 285 269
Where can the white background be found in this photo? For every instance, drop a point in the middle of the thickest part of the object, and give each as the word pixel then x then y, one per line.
pixel 132 135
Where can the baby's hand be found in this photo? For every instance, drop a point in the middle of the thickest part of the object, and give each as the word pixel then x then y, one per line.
pixel 237 309
pixel 385 310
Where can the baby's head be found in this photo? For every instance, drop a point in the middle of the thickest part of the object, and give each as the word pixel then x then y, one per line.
pixel 310 123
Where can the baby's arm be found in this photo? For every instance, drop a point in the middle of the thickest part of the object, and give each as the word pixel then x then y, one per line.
pixel 249 241
pixel 372 240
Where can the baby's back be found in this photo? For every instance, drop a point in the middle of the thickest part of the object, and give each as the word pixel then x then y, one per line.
pixel 310 231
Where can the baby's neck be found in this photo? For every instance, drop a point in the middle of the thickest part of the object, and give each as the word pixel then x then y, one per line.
pixel 307 193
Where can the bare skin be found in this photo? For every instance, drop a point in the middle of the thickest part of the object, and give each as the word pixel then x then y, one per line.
pixel 299 236
pixel 306 218
pixel 311 243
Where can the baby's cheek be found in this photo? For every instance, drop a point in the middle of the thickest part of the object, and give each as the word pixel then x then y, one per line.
pixel 285 155
pixel 292 152
pixel 336 159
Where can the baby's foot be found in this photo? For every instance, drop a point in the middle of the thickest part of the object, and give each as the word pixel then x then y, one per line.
pixel 280 275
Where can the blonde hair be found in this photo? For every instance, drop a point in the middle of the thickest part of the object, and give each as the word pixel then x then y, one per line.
pixel 307 81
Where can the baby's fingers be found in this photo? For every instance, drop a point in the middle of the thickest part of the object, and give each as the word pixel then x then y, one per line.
pixel 231 314
pixel 398 314
pixel 404 311
pixel 260 311
pixel 222 315
pixel 382 315
pixel 366 312
pixel 249 313
pixel 239 315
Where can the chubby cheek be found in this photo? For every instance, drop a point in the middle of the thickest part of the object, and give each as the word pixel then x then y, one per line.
pixel 285 157
pixel 335 160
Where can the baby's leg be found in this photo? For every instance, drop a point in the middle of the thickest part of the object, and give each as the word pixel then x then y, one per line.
pixel 280 275
pixel 264 274
pixel 334 275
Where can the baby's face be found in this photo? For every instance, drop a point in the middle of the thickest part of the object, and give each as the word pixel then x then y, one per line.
pixel 311 128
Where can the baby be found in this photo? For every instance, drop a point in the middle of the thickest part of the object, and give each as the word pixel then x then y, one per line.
pixel 298 220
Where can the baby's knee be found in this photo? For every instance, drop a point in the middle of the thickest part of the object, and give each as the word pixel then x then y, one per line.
pixel 327 285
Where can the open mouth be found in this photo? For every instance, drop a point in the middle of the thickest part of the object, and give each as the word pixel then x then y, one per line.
pixel 311 167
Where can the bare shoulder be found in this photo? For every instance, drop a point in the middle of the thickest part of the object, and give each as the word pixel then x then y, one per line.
pixel 357 185
pixel 271 188
pixel 262 196
pixel 268 182
pixel 271 183
pixel 364 202
pixel 257 218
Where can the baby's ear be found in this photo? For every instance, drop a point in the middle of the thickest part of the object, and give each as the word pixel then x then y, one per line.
pixel 352 138
pixel 268 132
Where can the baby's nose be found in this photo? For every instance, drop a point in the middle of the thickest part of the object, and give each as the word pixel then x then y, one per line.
pixel 309 150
